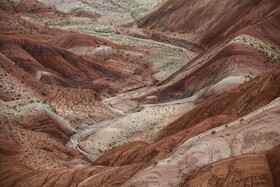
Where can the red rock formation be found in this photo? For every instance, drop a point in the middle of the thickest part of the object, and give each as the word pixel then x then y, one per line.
pixel 38 150
pixel 44 123
pixel 237 171
pixel 267 29
pixel 18 84
pixel 139 152
pixel 43 57
pixel 241 170
pixel 33 7
pixel 233 62
pixel 36 59
pixel 81 40
pixel 74 60
pixel 195 24
pixel 79 12
pixel 18 175
pixel 273 158
pixel 239 101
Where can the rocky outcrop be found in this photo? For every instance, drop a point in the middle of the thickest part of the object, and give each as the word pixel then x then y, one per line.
pixel 255 133
pixel 244 170
pixel 204 78
pixel 273 158
pixel 79 12
pixel 239 101
pixel 202 23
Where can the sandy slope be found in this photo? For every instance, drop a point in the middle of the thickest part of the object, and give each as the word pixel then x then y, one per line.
pixel 254 133
pixel 219 73
pixel 198 25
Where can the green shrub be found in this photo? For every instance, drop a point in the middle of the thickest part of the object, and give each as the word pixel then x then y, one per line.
pixel 155 163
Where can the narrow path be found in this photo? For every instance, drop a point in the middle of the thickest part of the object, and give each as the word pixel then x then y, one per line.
pixel 74 139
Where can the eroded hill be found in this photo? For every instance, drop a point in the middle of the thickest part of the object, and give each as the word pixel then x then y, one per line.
pixel 183 93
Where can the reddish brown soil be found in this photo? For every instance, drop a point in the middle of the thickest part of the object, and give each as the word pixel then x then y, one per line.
pixel 80 74
pixel 228 62
pixel 237 171
pixel 18 84
pixel 7 6
pixel 70 69
pixel 37 56
pixel 60 58
pixel 44 123
pixel 273 158
pixel 82 40
pixel 235 59
pixel 37 142
pixel 199 120
pixel 198 25
pixel 259 170
pixel 34 7
pixel 139 152
pixel 239 101
pixel 79 12
pixel 267 29
pixel 36 148
pixel 18 175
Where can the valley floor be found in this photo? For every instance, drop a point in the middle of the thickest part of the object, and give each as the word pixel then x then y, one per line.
pixel 85 101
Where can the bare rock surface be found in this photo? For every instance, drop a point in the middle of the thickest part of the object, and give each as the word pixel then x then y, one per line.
pixel 255 133
pixel 237 171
